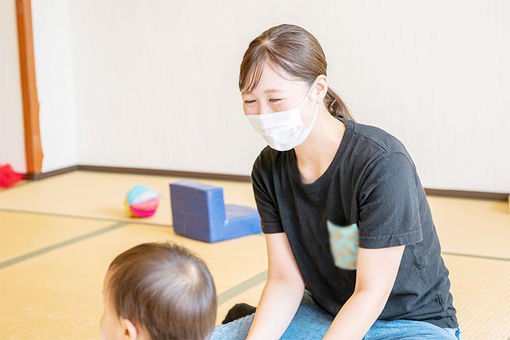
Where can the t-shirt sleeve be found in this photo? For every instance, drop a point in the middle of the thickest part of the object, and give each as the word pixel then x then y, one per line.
pixel 389 203
pixel 266 203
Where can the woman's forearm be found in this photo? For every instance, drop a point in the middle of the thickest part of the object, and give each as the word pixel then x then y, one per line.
pixel 357 315
pixel 279 302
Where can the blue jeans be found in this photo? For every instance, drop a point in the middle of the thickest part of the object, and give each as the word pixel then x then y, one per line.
pixel 312 322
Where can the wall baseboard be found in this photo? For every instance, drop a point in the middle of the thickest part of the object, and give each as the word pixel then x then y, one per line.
pixel 169 173
pixel 496 196
pixel 52 173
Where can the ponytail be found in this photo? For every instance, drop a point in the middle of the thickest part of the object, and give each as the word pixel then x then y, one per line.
pixel 336 106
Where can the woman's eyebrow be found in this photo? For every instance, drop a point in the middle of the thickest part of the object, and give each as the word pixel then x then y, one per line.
pixel 265 91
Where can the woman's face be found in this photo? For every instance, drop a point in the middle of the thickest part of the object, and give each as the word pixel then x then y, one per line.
pixel 275 93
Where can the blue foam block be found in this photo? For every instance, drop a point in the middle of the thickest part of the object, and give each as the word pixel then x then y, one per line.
pixel 199 212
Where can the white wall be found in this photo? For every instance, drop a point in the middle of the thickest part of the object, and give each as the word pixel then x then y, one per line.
pixel 157 86
pixel 12 142
pixel 436 75
pixel 154 84
pixel 55 82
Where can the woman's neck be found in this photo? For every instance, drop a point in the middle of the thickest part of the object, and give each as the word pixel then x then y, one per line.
pixel 316 153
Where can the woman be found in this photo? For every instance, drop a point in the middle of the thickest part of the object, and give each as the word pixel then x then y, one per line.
pixel 352 249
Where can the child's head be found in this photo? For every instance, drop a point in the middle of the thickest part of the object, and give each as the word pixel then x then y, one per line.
pixel 158 291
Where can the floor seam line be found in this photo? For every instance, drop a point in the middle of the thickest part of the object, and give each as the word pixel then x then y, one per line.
pixel 55 246
pixel 495 258
pixel 242 287
pixel 82 217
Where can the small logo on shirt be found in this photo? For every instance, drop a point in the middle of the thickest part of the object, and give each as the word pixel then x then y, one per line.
pixel 344 241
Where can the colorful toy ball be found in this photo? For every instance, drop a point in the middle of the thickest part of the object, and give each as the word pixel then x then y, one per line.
pixel 141 201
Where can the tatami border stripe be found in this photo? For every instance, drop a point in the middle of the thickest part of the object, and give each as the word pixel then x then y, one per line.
pixel 242 287
pixel 60 245
pixel 133 221
pixel 261 277
pixel 477 256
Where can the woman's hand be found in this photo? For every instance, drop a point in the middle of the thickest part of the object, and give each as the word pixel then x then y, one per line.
pixel 376 273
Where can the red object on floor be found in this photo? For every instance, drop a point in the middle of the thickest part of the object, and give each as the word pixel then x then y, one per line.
pixel 8 177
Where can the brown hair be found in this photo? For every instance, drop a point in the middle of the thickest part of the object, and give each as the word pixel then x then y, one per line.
pixel 165 289
pixel 295 51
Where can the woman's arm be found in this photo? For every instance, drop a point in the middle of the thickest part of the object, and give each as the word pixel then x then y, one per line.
pixel 376 274
pixel 282 294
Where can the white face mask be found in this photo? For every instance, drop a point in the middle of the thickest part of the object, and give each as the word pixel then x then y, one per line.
pixel 283 130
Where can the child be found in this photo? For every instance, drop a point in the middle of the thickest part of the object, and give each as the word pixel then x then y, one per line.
pixel 158 291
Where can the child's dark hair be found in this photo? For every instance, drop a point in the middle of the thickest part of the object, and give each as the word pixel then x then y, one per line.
pixel 165 289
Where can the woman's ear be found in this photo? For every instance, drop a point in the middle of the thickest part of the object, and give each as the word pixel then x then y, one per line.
pixel 128 329
pixel 321 86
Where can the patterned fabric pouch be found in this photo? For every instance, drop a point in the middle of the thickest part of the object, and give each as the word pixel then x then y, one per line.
pixel 344 241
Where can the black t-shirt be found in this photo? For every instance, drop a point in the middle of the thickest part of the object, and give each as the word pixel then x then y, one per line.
pixel 370 196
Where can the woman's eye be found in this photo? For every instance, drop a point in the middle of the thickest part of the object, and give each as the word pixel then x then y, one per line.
pixel 272 100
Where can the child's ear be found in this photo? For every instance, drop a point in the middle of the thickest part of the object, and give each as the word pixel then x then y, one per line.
pixel 129 329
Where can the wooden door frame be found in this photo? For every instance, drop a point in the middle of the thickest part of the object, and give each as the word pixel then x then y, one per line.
pixel 33 148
